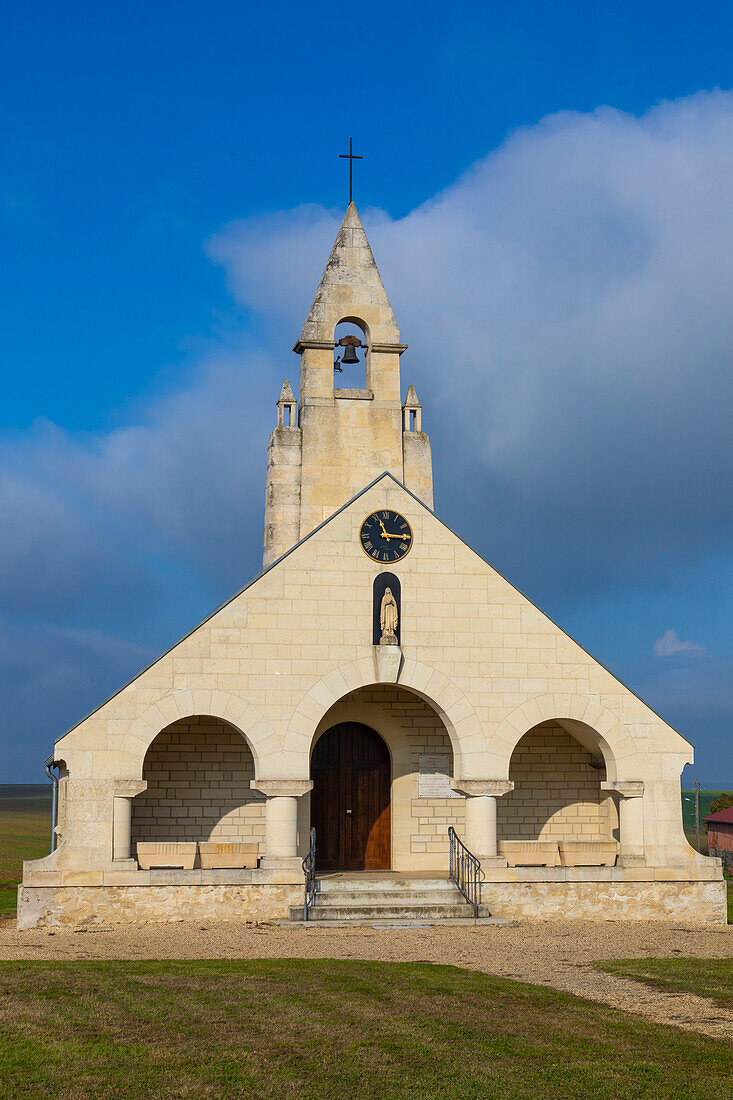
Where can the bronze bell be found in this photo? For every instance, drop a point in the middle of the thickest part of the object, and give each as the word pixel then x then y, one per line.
pixel 350 344
pixel 350 355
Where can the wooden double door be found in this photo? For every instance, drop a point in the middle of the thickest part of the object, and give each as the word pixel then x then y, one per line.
pixel 350 768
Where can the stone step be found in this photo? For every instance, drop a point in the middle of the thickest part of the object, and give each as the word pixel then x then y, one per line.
pixel 331 885
pixel 388 923
pixel 388 897
pixel 428 912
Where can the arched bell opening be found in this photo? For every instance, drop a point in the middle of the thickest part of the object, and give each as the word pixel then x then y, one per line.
pixel 351 352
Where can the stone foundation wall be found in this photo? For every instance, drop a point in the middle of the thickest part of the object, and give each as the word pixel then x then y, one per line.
pixel 687 902
pixel 45 907
pixel 198 773
pixel 557 793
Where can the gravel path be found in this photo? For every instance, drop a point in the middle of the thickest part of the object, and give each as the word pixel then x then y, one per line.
pixel 553 953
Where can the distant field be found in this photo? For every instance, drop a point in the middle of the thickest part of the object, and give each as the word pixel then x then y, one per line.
pixel 25 833
pixel 688 806
pixel 688 815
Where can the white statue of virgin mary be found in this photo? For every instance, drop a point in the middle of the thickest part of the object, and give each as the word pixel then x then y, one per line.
pixel 388 618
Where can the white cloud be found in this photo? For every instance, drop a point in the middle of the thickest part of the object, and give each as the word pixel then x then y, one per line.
pixel 670 644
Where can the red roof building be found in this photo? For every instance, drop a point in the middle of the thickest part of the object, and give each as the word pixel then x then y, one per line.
pixel 720 835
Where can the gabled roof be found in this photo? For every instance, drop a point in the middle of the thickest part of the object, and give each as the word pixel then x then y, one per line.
pixel 721 816
pixel 312 534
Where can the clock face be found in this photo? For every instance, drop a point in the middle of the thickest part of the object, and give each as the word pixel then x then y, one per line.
pixel 385 536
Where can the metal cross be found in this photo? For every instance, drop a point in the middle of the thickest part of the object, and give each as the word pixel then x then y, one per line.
pixel 351 157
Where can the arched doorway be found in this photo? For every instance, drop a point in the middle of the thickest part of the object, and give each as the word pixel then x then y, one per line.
pixel 350 799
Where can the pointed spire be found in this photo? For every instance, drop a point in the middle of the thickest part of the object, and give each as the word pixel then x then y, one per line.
pixel 411 401
pixel 351 288
pixel 287 397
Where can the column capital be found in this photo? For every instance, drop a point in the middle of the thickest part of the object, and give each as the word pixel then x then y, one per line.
pixel 128 788
pixel 282 788
pixel 627 788
pixel 476 788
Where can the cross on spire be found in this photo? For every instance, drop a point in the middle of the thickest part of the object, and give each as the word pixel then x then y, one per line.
pixel 351 156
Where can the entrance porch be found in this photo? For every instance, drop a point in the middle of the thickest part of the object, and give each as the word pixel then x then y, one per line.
pixel 379 784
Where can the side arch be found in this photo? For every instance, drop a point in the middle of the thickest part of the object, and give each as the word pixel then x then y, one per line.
pixel 614 740
pixel 448 701
pixel 246 719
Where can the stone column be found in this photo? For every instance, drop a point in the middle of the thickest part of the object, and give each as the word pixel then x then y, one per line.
pixel 281 825
pixel 630 820
pixel 125 791
pixel 481 796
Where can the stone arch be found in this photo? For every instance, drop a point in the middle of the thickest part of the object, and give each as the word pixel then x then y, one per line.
pixel 369 714
pixel 359 322
pixel 612 737
pixel 246 720
pixel 399 716
pixel 448 701
pixel 198 774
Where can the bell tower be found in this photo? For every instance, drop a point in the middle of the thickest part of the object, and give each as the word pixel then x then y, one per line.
pixel 343 437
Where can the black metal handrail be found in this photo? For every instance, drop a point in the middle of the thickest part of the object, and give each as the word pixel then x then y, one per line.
pixel 465 870
pixel 309 870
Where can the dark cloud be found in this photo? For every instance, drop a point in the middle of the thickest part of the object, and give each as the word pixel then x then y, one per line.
pixel 50 678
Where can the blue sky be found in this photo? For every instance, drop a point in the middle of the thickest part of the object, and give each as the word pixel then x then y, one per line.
pixel 546 187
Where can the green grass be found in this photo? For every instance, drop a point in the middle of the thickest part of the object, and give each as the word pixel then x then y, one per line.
pixel 706 977
pixel 25 833
pixel 333 1030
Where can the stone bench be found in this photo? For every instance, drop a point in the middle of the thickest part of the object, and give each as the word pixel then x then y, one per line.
pixel 164 853
pixel 227 854
pixel 530 853
pixel 588 853
pixel 182 854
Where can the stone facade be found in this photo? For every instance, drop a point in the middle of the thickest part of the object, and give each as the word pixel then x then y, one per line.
pixel 544 744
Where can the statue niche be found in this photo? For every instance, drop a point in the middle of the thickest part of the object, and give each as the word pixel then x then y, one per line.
pixel 388 619
pixel 387 611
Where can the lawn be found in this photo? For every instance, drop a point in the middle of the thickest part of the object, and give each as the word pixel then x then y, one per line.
pixel 25 833
pixel 706 977
pixel 330 1029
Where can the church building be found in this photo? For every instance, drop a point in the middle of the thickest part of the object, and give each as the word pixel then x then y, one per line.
pixel 379 725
